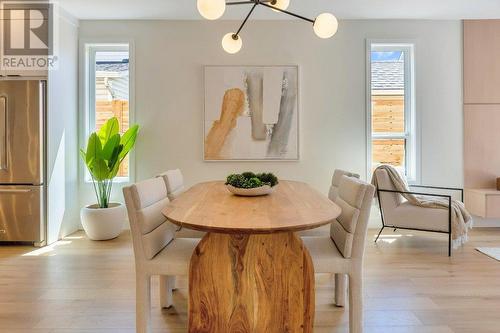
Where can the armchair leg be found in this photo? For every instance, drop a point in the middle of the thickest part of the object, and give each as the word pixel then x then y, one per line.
pixel 449 226
pixel 380 232
pixel 449 244
pixel 143 303
pixel 340 289
pixel 355 303
pixel 167 285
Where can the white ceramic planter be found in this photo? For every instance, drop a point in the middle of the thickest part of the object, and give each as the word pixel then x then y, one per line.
pixel 103 223
pixel 251 192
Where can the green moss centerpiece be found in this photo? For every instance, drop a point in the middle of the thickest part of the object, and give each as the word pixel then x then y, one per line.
pixel 249 184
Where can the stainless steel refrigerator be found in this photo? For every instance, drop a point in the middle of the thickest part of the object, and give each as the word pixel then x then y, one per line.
pixel 22 160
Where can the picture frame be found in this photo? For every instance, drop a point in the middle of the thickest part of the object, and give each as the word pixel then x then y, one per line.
pixel 251 113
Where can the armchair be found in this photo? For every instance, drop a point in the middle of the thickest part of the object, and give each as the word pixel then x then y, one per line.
pixel 399 214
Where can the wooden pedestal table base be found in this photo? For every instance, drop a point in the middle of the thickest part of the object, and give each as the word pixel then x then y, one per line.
pixel 251 283
pixel 250 273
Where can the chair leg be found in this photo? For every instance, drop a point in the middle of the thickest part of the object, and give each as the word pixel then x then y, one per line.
pixel 340 289
pixel 173 283
pixel 382 229
pixel 143 303
pixel 167 285
pixel 449 244
pixel 355 303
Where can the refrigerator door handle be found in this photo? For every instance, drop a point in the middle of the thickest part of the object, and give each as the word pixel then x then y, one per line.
pixel 3 132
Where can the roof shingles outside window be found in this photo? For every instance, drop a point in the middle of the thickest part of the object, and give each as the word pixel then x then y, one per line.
pixel 388 75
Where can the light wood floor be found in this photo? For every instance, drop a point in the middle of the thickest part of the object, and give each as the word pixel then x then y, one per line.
pixel 411 286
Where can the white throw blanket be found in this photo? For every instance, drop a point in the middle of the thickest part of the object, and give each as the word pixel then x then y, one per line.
pixel 461 220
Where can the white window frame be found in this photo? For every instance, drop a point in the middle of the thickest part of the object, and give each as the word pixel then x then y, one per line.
pixel 411 134
pixel 88 51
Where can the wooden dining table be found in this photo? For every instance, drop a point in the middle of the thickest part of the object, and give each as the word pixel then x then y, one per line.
pixel 251 272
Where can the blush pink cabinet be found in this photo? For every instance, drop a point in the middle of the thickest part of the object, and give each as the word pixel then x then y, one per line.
pixel 482 62
pixel 481 70
pixel 484 203
pixel 481 145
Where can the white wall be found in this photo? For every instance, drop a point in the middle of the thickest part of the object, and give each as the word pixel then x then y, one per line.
pixel 62 135
pixel 169 60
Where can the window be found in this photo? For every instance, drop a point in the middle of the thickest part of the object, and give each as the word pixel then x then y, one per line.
pixel 108 91
pixel 391 108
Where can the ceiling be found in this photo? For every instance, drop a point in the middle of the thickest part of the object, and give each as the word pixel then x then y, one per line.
pixel 345 9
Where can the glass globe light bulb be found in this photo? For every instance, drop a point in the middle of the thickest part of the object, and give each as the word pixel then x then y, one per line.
pixel 281 4
pixel 325 25
pixel 211 9
pixel 232 43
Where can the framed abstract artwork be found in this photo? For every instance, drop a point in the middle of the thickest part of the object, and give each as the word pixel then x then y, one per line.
pixel 251 113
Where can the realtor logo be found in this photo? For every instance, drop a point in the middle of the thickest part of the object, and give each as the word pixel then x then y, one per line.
pixel 28 35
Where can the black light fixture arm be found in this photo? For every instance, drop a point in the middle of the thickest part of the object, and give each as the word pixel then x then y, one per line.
pixel 248 2
pixel 287 12
pixel 265 3
pixel 235 36
pixel 239 3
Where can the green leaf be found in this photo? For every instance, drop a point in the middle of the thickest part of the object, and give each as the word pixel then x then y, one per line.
pixel 110 146
pixel 114 161
pixel 114 171
pixel 128 140
pixel 94 150
pixel 83 155
pixel 100 170
pixel 109 129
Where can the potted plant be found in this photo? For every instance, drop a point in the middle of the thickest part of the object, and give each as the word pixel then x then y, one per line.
pixel 106 150
pixel 249 184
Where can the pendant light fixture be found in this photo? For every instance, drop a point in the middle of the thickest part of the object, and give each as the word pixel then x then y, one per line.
pixel 231 43
pixel 211 9
pixel 324 26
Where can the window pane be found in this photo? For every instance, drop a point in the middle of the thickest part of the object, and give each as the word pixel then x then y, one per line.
pixel 388 92
pixel 112 92
pixel 389 151
pixel 388 108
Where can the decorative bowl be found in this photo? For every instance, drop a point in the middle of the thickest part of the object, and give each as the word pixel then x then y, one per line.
pixel 250 192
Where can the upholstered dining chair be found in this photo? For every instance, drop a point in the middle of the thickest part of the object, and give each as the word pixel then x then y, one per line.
pixel 340 279
pixel 332 194
pixel 157 251
pixel 174 181
pixel 343 250
pixel 337 177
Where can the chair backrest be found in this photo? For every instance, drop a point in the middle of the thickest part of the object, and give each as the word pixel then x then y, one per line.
pixel 388 201
pixel 348 231
pixel 151 231
pixel 174 182
pixel 337 177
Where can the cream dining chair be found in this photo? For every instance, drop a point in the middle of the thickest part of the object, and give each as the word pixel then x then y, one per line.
pixel 343 251
pixel 157 250
pixel 340 279
pixel 332 194
pixel 174 181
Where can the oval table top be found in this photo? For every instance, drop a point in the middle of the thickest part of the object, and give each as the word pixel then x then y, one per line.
pixel 210 207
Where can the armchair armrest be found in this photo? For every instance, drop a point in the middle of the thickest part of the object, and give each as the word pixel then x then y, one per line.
pixel 461 190
pixel 417 193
